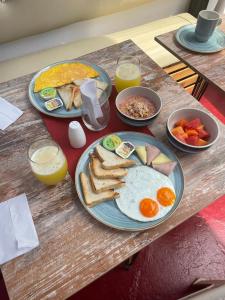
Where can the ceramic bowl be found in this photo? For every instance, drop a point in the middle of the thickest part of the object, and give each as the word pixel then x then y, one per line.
pixel 191 113
pixel 138 91
pixel 180 147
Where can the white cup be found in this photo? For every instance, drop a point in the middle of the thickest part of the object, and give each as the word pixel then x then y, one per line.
pixel 76 135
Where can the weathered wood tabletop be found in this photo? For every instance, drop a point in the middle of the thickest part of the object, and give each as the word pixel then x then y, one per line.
pixel 74 248
pixel 210 66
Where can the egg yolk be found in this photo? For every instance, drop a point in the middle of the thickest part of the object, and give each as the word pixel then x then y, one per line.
pixel 166 196
pixel 148 207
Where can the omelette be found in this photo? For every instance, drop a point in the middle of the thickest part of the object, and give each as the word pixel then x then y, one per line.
pixel 62 74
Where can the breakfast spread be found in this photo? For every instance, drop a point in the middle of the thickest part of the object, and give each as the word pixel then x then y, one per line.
pixel 191 132
pixel 141 192
pixel 137 107
pixel 125 149
pixel 53 104
pixel 111 142
pixel 48 93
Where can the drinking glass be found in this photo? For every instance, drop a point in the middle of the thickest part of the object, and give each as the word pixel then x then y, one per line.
pixel 128 72
pixel 47 161
pixel 88 115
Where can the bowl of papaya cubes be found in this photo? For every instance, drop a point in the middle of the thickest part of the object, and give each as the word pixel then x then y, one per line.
pixel 192 128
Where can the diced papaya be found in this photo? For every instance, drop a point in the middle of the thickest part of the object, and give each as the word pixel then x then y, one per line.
pixel 200 127
pixel 201 142
pixel 192 140
pixel 203 134
pixel 181 122
pixel 181 137
pixel 193 124
pixel 178 130
pixel 191 132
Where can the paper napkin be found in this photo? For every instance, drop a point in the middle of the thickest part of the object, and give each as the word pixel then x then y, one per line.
pixel 91 105
pixel 17 231
pixel 8 113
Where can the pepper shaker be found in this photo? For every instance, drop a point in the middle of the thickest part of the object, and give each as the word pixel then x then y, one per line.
pixel 76 135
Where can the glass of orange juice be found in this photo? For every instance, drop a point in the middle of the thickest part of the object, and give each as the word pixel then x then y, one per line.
pixel 47 161
pixel 128 72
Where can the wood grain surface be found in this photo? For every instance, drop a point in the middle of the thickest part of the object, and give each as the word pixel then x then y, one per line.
pixel 74 248
pixel 210 66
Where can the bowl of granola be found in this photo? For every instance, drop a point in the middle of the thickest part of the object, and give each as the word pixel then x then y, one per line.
pixel 138 105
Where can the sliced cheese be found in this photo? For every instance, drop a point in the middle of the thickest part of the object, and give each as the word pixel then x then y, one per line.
pixel 161 159
pixel 142 153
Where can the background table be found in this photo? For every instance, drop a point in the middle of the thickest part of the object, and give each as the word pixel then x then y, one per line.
pixel 209 66
pixel 75 249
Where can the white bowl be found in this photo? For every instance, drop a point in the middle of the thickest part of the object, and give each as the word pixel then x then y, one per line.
pixel 148 93
pixel 191 113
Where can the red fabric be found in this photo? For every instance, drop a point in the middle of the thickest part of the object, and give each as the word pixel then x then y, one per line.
pixel 214 100
pixel 58 128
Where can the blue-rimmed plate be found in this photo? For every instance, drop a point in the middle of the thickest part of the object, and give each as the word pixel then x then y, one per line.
pixel 185 36
pixel 108 212
pixel 61 112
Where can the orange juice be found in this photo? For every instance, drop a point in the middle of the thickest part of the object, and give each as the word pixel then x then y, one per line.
pixel 49 164
pixel 127 75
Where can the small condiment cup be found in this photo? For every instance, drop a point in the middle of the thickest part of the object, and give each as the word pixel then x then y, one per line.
pixel 76 135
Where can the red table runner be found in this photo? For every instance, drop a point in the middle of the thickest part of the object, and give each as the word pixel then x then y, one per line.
pixel 58 129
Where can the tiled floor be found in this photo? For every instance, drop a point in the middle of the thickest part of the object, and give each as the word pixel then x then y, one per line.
pixel 166 269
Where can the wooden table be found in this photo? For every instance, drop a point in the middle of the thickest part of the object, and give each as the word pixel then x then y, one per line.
pixel 75 249
pixel 209 66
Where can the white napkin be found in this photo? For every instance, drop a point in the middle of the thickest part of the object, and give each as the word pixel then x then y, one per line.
pixel 8 113
pixel 17 231
pixel 91 105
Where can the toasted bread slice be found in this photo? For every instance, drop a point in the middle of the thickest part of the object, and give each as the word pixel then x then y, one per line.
pixel 76 96
pixel 65 93
pixel 77 101
pixel 90 197
pixel 101 185
pixel 99 172
pixel 112 161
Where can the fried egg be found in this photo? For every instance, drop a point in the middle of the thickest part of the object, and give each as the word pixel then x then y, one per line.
pixel 147 195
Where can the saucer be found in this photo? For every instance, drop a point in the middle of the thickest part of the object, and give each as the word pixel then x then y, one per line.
pixel 185 36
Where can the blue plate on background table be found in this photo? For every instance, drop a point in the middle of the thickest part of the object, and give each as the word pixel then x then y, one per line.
pixel 61 112
pixel 185 36
pixel 108 212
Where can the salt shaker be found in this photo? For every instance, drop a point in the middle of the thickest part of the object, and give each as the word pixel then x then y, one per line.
pixel 76 135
